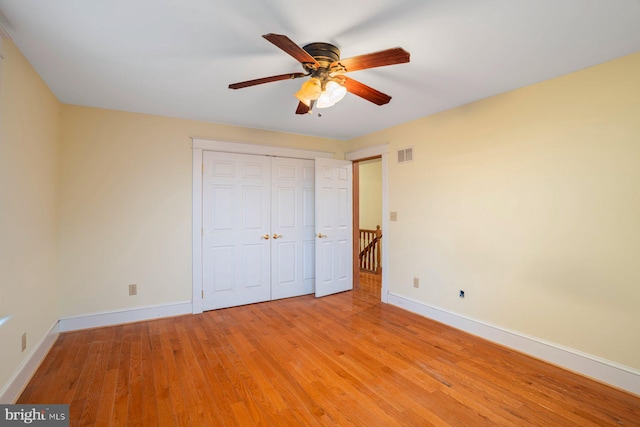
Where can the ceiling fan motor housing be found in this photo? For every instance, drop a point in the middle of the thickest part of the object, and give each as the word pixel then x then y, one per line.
pixel 324 53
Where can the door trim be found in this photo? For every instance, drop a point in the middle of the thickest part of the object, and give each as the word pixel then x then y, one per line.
pixel 259 149
pixel 198 146
pixel 383 152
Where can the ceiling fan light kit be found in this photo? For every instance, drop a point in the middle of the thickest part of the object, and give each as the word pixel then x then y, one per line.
pixel 328 84
pixel 325 93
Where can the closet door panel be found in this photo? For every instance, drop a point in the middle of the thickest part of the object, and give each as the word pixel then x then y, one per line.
pixel 334 237
pixel 293 201
pixel 236 211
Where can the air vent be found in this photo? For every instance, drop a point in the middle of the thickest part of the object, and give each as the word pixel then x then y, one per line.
pixel 405 155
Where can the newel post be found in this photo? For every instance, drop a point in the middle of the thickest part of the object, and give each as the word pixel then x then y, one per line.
pixel 378 250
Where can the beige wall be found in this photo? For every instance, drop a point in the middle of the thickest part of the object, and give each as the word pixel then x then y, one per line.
pixel 530 202
pixel 370 193
pixel 125 205
pixel 29 143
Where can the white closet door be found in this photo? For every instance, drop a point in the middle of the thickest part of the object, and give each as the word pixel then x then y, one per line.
pixel 292 227
pixel 334 211
pixel 236 209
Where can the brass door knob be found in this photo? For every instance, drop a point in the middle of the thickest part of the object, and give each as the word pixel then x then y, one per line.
pixel 277 236
pixel 266 237
pixel 320 235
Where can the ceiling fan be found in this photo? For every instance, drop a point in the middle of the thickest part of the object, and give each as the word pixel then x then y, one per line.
pixel 328 83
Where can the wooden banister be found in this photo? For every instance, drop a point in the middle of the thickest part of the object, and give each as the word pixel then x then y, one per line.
pixel 370 250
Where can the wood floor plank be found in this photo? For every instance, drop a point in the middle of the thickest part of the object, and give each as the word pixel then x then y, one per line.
pixel 220 390
pixel 105 405
pixel 180 414
pixel 83 391
pixel 93 393
pixel 121 399
pixel 108 393
pixel 149 397
pixel 159 374
pixel 345 359
pixel 195 385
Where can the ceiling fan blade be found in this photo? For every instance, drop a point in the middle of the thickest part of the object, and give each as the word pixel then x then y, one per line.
pixel 365 92
pixel 302 108
pixel 396 55
pixel 286 44
pixel 248 83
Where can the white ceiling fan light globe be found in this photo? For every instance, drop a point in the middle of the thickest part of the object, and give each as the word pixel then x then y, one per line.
pixel 324 101
pixel 332 94
pixel 336 91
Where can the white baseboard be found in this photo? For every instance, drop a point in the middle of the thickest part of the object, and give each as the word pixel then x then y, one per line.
pixel 28 367
pixel 94 320
pixel 606 371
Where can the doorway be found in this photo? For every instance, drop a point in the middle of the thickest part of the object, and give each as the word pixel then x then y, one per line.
pixel 376 152
pixel 367 194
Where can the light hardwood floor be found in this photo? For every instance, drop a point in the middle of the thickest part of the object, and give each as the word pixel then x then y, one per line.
pixel 345 359
pixel 371 283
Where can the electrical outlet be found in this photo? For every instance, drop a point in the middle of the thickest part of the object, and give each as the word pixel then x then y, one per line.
pixel 133 289
pixel 461 293
pixel 24 341
pixel 393 216
pixel 416 282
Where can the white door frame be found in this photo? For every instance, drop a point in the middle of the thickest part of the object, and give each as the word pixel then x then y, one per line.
pixel 200 145
pixel 382 151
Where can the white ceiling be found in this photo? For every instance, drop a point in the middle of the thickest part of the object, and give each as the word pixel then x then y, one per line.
pixel 176 57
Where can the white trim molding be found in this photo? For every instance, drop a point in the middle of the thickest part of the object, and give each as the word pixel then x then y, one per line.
pixel 110 318
pixel 258 149
pixel 605 371
pixel 365 153
pixel 28 367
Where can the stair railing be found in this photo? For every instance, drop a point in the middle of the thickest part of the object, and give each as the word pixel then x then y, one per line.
pixel 370 250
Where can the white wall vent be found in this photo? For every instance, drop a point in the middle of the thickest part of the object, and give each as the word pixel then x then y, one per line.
pixel 405 155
